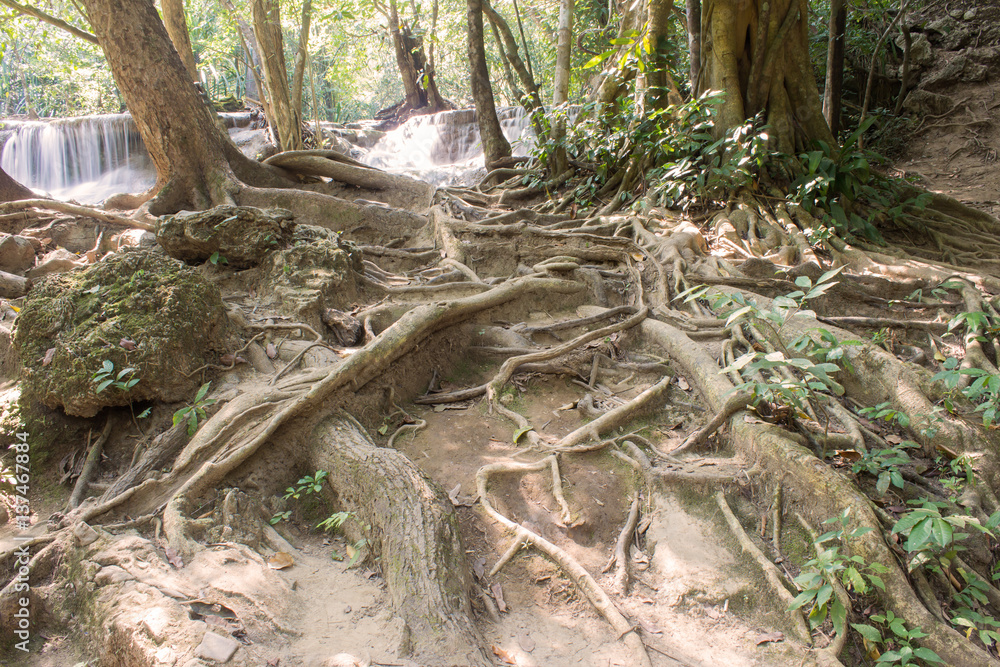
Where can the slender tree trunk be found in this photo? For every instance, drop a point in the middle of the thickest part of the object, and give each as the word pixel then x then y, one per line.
pixel 904 83
pixel 287 118
pixel 534 100
pixel 495 145
pixel 694 39
pixel 560 86
pixel 660 87
pixel 176 24
pixel 835 65
pixel 301 55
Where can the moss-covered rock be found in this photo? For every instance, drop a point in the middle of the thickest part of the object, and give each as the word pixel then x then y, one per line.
pixel 242 235
pixel 138 309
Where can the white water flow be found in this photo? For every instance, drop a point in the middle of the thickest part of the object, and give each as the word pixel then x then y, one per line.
pixel 84 159
pixel 445 148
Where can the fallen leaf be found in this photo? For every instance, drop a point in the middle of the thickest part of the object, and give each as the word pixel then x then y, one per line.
pixel 453 494
pixel 503 655
pixel 683 384
pixel 49 354
pixel 753 420
pixel 525 641
pixel 173 557
pixel 893 439
pixel 271 350
pixel 227 360
pixel 849 455
pixel 127 344
pixel 498 596
pixel 280 560
pixel 769 637
pixel 479 567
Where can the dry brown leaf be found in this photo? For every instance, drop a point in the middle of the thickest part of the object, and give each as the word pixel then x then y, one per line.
pixel 849 455
pixel 769 637
pixel 49 354
pixel 479 567
pixel 453 494
pixel 526 643
pixel 173 557
pixel 498 596
pixel 271 350
pixel 127 344
pixel 683 384
pixel 280 560
pixel 503 655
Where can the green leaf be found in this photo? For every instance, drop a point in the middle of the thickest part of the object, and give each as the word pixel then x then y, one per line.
pixel 144 413
pixel 823 595
pixel 108 366
pixel 801 599
pixel 838 616
pixel 201 392
pixel 868 632
pixel 104 385
pixel 123 372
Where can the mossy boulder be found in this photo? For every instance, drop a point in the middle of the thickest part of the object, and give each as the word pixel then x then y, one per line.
pixel 138 309
pixel 242 235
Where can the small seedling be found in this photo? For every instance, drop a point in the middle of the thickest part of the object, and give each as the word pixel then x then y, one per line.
pixel 106 377
pixel 217 259
pixel 196 411
pixel 904 653
pixel 307 485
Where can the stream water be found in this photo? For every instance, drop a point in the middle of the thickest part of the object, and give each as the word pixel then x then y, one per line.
pixel 88 159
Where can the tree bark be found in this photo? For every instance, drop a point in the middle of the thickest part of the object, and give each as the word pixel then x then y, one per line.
pixel 414 533
pixel 495 145
pixel 301 55
pixel 757 52
pixel 833 89
pixel 660 87
pixel 560 86
pixel 196 163
pixel 287 119
pixel 694 40
pixel 419 84
pixel 176 24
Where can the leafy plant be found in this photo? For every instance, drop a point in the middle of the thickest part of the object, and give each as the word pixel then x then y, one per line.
pixel 307 485
pixel 831 565
pixel 106 377
pixel 930 536
pixel 335 522
pixel 195 411
pixel 883 464
pixel 903 651
pixel 217 259
pixel 983 392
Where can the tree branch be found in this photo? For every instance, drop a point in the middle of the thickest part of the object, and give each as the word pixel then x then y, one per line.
pixel 51 20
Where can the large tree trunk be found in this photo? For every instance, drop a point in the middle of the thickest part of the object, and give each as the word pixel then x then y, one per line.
pixel 196 163
pixel 495 145
pixel 757 53
pixel 11 190
pixel 176 24
pixel 413 532
pixel 418 79
pixel 835 65
pixel 287 120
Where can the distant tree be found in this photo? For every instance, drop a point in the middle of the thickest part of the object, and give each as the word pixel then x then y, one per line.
pixel 495 145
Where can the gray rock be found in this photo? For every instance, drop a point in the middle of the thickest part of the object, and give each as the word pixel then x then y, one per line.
pixel 216 647
pixel 970 14
pixel 242 235
pixel 156 623
pixel 927 103
pixel 17 254
pixel 921 51
pixel 57 261
pixel 112 574
pixel 84 534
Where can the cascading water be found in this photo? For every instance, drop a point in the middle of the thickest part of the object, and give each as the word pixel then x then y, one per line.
pixel 85 159
pixel 445 148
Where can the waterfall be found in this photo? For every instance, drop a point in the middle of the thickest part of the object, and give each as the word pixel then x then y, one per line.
pixel 86 159
pixel 445 147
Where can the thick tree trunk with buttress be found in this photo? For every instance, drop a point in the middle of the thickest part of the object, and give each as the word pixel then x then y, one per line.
pixel 176 24
pixel 757 53
pixel 414 533
pixel 495 145
pixel 196 163
pixel 419 85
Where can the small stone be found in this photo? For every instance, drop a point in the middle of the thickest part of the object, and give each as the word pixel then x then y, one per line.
pixel 166 657
pixel 84 534
pixel 341 660
pixel 216 647
pixel 970 14
pixel 57 261
pixel 17 254
pixel 112 574
pixel 155 623
pixel 347 609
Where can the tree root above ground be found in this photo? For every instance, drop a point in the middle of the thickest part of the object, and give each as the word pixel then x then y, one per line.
pixel 410 522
